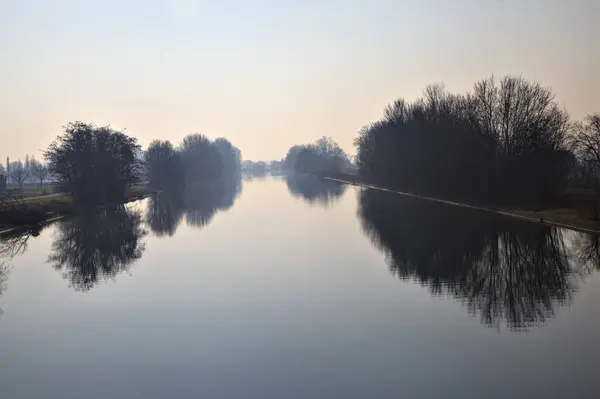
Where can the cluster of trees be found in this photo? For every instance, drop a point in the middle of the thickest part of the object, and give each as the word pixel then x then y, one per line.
pixel 98 164
pixel 505 270
pixel 19 172
pixel 324 156
pixel 95 164
pixel 196 160
pixel 255 167
pixel 506 140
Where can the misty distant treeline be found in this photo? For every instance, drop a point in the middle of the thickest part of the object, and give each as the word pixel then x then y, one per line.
pixel 98 164
pixel 505 141
pixel 19 172
pixel 323 156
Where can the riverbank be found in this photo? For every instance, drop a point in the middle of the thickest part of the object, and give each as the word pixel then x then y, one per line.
pixel 569 218
pixel 34 211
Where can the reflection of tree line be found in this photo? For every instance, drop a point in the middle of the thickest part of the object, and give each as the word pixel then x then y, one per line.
pixel 503 269
pixel 197 203
pixel 94 246
pixel 314 189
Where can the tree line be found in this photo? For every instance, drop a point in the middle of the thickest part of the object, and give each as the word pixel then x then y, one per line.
pixel 506 141
pixel 19 173
pixel 322 156
pixel 98 164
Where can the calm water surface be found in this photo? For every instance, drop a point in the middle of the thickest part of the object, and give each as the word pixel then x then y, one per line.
pixel 293 288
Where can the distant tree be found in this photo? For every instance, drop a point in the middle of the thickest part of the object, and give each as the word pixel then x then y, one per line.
pixel 164 168
pixel 2 171
pixel 231 156
pixel 38 171
pixel 324 156
pixel 258 167
pixel 96 164
pixel 27 164
pixel 275 166
pixel 289 162
pixel 310 160
pixel 18 173
pixel 201 159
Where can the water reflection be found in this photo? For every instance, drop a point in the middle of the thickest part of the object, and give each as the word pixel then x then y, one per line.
pixel 196 204
pixel 505 270
pixel 251 175
pixel 4 269
pixel 92 247
pixel 314 190
pixel 164 213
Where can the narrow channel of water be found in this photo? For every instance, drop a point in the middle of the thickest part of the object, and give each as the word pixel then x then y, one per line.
pixel 293 287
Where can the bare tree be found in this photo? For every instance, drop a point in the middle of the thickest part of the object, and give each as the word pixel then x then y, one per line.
pixel 19 173
pixel 39 171
pixel 585 143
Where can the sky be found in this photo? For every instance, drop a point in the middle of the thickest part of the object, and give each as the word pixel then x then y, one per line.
pixel 268 74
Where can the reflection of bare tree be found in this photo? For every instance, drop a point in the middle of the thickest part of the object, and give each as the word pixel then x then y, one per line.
pixel 313 189
pixel 96 246
pixel 587 252
pixel 505 270
pixel 15 242
pixel 4 269
pixel 12 244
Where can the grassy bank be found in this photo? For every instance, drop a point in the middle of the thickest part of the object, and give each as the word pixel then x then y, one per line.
pixel 16 212
pixel 572 214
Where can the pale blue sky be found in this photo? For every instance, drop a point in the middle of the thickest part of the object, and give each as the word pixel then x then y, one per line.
pixel 269 74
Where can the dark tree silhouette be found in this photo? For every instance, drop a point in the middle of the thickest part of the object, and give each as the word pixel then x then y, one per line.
pixel 505 270
pixel 164 168
pixel 585 142
pixel 96 164
pixel 314 190
pixel 201 159
pixel 96 246
pixel 504 142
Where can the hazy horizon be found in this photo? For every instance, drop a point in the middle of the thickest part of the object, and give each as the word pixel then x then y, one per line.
pixel 268 75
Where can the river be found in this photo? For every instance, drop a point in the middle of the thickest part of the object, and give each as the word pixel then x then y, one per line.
pixel 292 287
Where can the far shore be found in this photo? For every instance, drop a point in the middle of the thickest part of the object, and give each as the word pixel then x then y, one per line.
pixel 17 213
